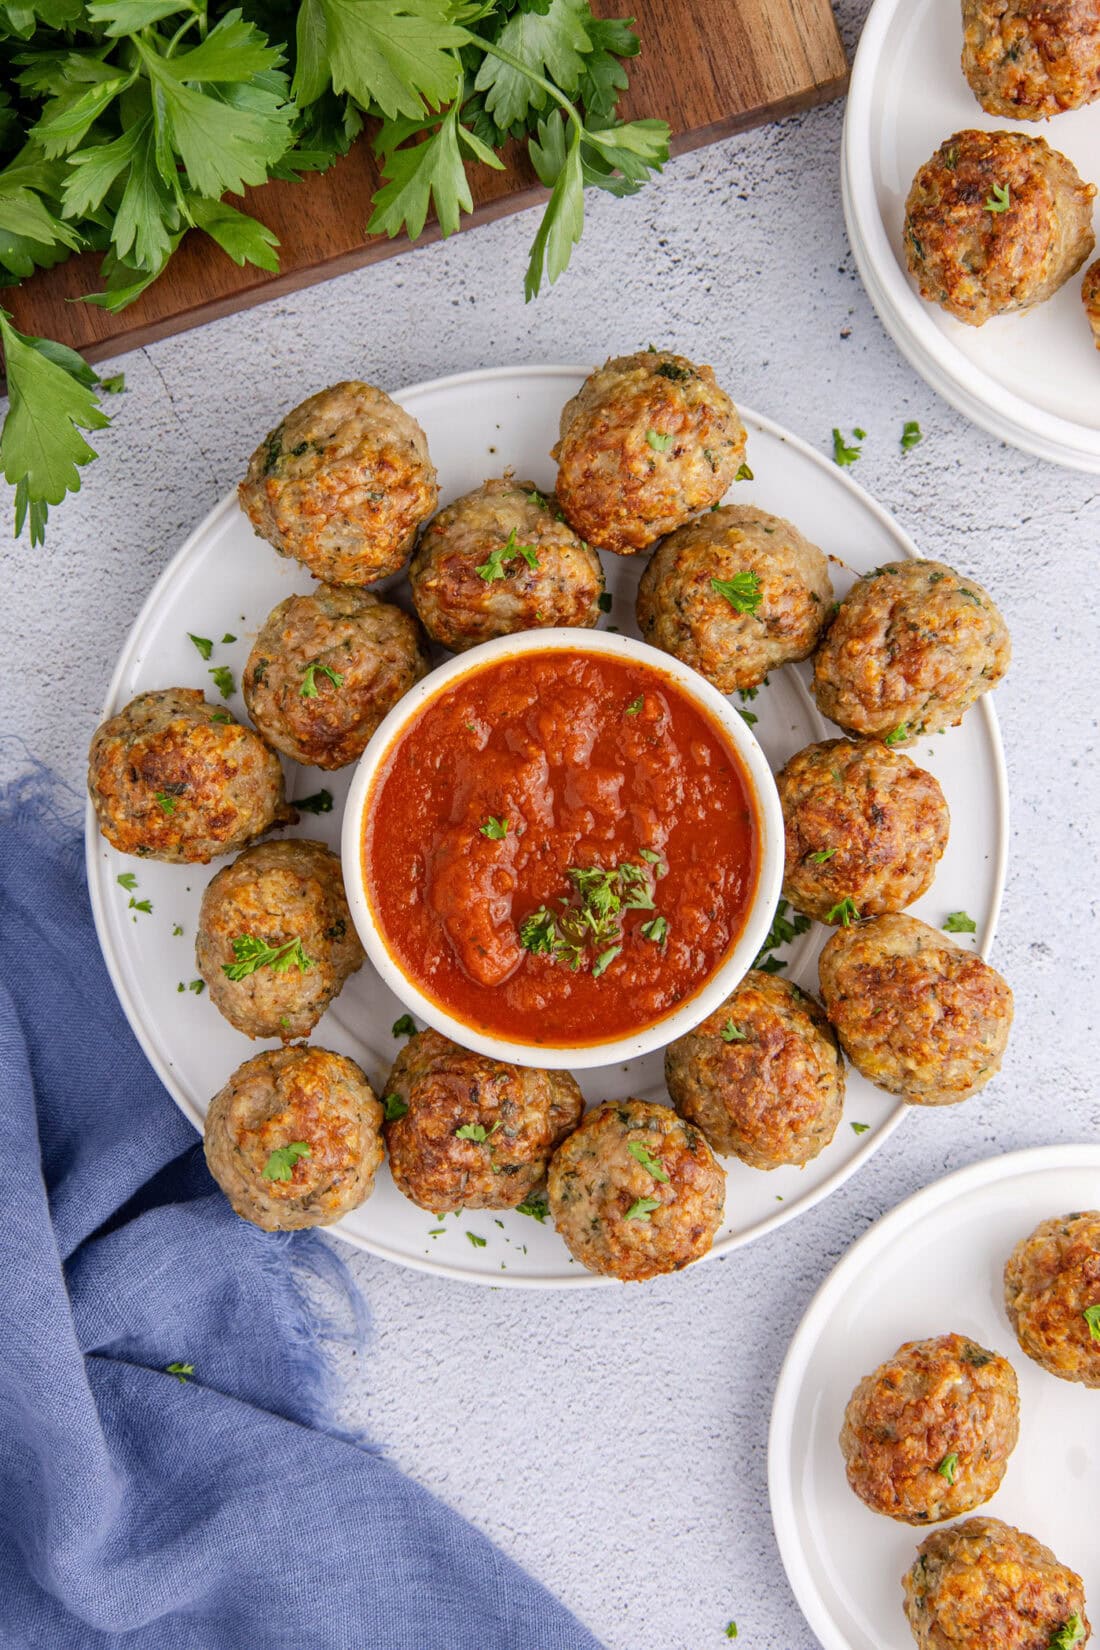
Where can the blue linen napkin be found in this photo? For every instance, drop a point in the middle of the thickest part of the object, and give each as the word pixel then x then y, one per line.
pixel 221 1512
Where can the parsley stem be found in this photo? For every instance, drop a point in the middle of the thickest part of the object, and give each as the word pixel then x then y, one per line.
pixel 547 85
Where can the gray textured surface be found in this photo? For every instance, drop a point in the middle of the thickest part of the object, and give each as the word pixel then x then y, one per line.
pixel 616 1443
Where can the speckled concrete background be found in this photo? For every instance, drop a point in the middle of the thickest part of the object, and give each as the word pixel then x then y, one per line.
pixel 615 1444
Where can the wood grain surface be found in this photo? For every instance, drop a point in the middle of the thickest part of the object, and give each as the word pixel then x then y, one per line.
pixel 709 67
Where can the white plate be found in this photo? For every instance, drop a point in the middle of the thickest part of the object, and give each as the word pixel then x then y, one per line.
pixel 1034 379
pixel 226 579
pixel 931 1267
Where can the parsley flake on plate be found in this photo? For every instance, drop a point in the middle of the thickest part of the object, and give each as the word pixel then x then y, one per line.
pixel 224 680
pixel 280 1162
pixel 115 385
pixel 478 1242
pixel 180 1371
pixel 404 1027
pixel 320 802
pixel 253 953
pixel 957 922
pixel 744 474
pixel 127 880
pixel 911 435
pixel 742 591
pixel 860 1128
pixel 535 1205
pixel 749 717
pixel 846 455
pixel 203 643
pixel 604 601
pixel 731 1629
pixel 141 905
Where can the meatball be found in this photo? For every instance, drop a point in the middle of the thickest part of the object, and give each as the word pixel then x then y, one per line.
pixel 762 1076
pixel 861 823
pixel 983 1585
pixel 502 559
pixel 648 441
pixel 1090 297
pixel 912 646
pixel 287 898
pixel 174 778
pixel 342 484
pixel 735 594
pixel 929 1434
pixel 294 1138
pixel 468 1132
pixel 326 668
pixel 1052 1295
pixel 996 222
pixel 635 1191
pixel 915 1014
pixel 1028 59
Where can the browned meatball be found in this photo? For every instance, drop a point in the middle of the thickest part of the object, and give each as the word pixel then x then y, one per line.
pixel 762 1076
pixel 911 648
pixel 983 1585
pixel 468 1132
pixel 172 777
pixel 325 670
pixel 275 940
pixel 1090 297
pixel 1052 1296
pixel 735 594
pixel 635 1192
pixel 647 442
pixel 1027 59
pixel 342 484
pixel 293 1139
pixel 996 222
pixel 862 823
pixel 915 1014
pixel 928 1435
pixel 502 559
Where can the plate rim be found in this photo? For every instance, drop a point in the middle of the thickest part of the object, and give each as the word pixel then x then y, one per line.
pixel 930 352
pixel 789 1386
pixel 504 1280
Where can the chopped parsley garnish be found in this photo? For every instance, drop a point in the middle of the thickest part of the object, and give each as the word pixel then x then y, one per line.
pixel 898 735
pixel 843 454
pixel 280 1164
pixel 911 435
pixel 478 1242
pixel 733 1034
pixel 497 565
pixel 959 923
pixel 309 688
pixel 656 930
pixel 659 443
pixel 535 1205
pixel 1091 1315
pixel 604 960
pixel 742 591
pixel 203 643
pixel 319 803
pixel 731 1629
pixel 115 385
pixel 477 1132
pixel 252 953
pixel 404 1027
pixel 177 929
pixel 744 474
pixel 180 1371
pixel 782 931
pixel 127 880
pixel 168 803
pixel 860 1128
pixel 635 705
pixel 643 1208
pixel 228 637
pixel 198 987
pixel 140 905
pixel 224 681
pixel 594 927
pixel 949 1466
pixel 822 856
pixel 999 200
pixel 1070 1633
pixel 749 717
pixel 394 1107
pixel 604 601
pixel 221 716
pixel 538 499
pixel 675 374
pixel 641 1153
pixel 844 912
pixel 495 829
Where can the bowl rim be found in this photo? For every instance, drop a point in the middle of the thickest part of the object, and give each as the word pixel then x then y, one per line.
pixel 712 992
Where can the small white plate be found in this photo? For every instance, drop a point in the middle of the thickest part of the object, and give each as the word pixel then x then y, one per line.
pixel 931 1267
pixel 1032 380
pixel 225 579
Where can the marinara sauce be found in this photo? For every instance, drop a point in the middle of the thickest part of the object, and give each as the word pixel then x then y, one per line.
pixel 533 767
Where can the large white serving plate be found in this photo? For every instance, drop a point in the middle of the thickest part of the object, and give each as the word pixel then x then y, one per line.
pixel 225 579
pixel 931 1267
pixel 1033 379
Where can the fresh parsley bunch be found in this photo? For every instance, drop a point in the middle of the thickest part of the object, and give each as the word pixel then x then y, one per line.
pixel 125 123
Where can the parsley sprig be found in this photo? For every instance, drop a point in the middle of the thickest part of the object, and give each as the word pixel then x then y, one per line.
pixel 252 953
pixel 590 928
pixel 496 567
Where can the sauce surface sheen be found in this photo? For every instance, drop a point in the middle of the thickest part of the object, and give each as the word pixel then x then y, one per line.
pixel 590 760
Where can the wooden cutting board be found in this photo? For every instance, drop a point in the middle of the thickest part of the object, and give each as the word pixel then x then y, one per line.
pixel 709 67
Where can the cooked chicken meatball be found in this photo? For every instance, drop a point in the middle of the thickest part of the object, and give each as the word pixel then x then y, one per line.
pixel 648 441
pixel 995 223
pixel 275 940
pixel 294 1138
pixel 983 1585
pixel 635 1191
pixel 915 1014
pixel 911 648
pixel 501 559
pixel 342 484
pixel 468 1132
pixel 1029 59
pixel 861 823
pixel 928 1435
pixel 1052 1296
pixel 172 777
pixel 326 668
pixel 762 1076
pixel 1090 297
pixel 735 594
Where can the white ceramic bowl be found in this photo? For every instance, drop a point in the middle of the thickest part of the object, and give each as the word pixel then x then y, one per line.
pixel 765 895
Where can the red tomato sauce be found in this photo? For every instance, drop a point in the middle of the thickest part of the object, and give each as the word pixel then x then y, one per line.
pixel 583 761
